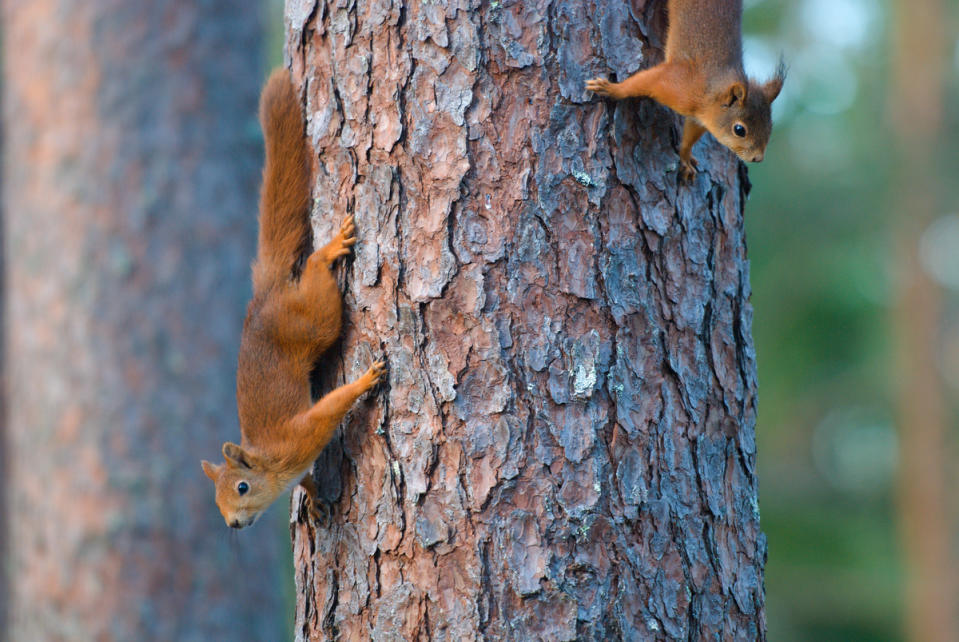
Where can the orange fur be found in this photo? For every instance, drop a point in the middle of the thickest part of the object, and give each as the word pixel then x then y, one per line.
pixel 289 325
pixel 703 79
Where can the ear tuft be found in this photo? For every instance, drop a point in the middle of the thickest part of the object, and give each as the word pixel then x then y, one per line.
pixel 775 85
pixel 212 470
pixel 237 456
pixel 735 92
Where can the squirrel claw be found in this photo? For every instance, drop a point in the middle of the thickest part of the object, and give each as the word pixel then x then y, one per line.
pixel 687 170
pixel 319 511
pixel 341 243
pixel 347 234
pixel 375 374
pixel 348 226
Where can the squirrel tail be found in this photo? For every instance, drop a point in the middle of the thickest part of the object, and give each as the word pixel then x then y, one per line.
pixel 285 195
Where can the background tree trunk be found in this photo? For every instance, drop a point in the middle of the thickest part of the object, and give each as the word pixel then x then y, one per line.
pixel 926 513
pixel 130 177
pixel 566 446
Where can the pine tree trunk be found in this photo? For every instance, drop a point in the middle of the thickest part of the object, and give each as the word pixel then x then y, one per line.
pixel 566 447
pixel 130 175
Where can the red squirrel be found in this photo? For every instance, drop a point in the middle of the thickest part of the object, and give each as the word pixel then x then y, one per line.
pixel 703 79
pixel 289 324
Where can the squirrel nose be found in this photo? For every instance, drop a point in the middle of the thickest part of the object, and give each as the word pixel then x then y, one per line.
pixel 758 157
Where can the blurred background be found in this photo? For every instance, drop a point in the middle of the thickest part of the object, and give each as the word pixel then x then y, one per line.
pixel 132 160
pixel 853 230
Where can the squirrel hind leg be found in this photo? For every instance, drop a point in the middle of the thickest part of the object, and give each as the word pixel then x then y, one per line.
pixel 310 311
pixel 316 297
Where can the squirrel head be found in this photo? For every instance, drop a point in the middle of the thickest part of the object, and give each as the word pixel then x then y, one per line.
pixel 244 485
pixel 740 116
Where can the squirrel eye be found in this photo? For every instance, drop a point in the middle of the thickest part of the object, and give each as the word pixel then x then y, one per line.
pixel 739 130
pixel 242 488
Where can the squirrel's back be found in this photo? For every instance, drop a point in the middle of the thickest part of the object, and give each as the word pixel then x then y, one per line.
pixel 285 196
pixel 708 32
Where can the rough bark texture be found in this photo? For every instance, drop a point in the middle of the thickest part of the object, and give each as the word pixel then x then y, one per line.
pixel 130 174
pixel 925 485
pixel 566 446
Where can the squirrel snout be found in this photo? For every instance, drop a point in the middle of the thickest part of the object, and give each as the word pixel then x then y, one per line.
pixel 236 522
pixel 757 158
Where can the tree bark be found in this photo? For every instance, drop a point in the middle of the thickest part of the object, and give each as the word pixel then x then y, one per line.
pixel 130 174
pixel 566 446
pixel 926 514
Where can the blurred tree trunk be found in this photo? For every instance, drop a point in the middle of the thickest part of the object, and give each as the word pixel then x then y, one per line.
pixel 4 458
pixel 566 446
pixel 926 518
pixel 130 176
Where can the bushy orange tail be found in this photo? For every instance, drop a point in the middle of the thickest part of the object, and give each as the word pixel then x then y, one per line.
pixel 285 196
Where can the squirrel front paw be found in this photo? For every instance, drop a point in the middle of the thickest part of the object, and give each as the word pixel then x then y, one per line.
pixel 603 87
pixel 687 170
pixel 318 509
pixel 343 241
pixel 340 245
pixel 374 375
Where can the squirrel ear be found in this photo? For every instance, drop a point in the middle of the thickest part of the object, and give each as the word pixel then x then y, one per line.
pixel 772 88
pixel 237 456
pixel 212 470
pixel 736 91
